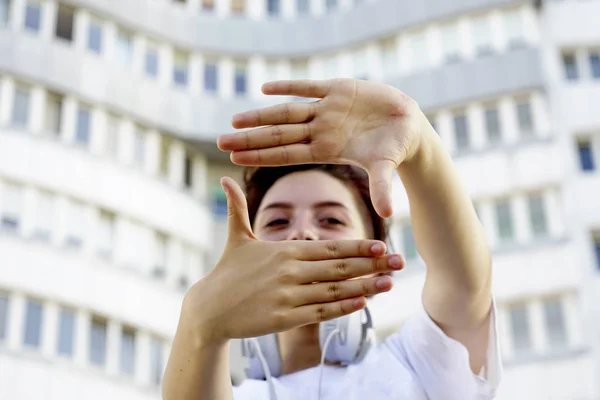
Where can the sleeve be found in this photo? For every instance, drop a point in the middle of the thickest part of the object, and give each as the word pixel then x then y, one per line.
pixel 441 363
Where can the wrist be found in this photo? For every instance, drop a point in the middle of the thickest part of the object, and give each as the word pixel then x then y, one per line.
pixel 196 326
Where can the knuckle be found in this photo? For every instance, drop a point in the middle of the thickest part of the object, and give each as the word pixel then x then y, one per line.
pixel 279 320
pixel 333 291
pixel 320 313
pixel 376 264
pixel 333 249
pixel 284 297
pixel 287 274
pixel 341 268
pixel 276 135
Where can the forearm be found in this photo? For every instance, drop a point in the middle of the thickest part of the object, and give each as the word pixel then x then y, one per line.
pixel 196 370
pixel 447 232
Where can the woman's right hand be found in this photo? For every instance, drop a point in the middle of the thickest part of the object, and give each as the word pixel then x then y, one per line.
pixel 260 287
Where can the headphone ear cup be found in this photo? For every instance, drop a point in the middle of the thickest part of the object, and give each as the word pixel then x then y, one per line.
pixel 353 341
pixel 269 347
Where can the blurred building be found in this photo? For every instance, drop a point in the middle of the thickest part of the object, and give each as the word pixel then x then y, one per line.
pixel 109 200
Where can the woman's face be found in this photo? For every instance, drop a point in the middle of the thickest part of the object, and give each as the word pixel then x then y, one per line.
pixel 311 205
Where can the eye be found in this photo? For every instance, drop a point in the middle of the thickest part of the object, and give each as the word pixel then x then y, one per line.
pixel 332 221
pixel 277 222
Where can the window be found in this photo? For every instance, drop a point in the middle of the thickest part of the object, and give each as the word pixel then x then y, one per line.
pixel 44 216
pixel 95 36
pixel 82 130
pixel 237 6
pixel 303 6
pixel 76 224
pixel 408 243
pixel 570 67
pixel 64 22
pixel 331 67
pixel 586 156
pixel 151 59
pixel 515 31
pixel 596 239
pixel 33 323
pixel 537 215
pixel 106 234
pixel 451 44
pixel 124 48
pixel 595 64
pixel 273 7
pixel 419 50
pixel 4 11
pixel 331 5
pixel 180 69
pixel 66 332
pixel 555 323
pixel 33 16
pixel 165 148
pixel 160 266
pixel 300 69
pixel 98 341
pixel 12 207
pixel 389 57
pixel 461 132
pixel 482 36
pixel 112 135
pixel 525 118
pixel 492 125
pixel 4 317
pixel 520 330
pixel 139 148
pixel 240 79
pixel 52 117
pixel 208 5
pixel 219 203
pixel 504 220
pixel 361 69
pixel 210 77
pixel 20 112
pixel 127 359
pixel 188 171
pixel 156 361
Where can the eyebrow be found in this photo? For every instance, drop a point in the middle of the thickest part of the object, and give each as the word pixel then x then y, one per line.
pixel 322 204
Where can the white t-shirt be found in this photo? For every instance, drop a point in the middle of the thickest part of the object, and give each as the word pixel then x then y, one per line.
pixel 418 363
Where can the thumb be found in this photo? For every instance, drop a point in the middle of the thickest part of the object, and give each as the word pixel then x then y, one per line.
pixel 380 186
pixel 238 220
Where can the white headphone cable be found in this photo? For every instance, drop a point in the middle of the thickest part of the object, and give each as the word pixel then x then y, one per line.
pixel 263 361
pixel 323 353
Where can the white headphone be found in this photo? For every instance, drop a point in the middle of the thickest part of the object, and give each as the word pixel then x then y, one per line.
pixel 346 340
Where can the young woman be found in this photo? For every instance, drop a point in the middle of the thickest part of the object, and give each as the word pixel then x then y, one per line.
pixel 307 247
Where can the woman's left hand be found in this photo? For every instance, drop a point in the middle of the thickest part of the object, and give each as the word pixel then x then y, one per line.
pixel 370 125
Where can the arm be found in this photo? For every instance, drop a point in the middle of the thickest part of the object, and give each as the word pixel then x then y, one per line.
pixel 196 369
pixel 448 235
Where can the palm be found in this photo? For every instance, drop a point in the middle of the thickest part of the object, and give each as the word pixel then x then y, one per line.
pixel 353 122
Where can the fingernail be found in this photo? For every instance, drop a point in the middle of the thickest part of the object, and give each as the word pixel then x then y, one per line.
pixel 357 303
pixel 377 248
pixel 395 262
pixel 382 283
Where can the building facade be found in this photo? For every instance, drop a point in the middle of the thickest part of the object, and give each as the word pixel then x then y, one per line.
pixel 109 199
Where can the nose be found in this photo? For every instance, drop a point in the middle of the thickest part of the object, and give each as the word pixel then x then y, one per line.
pixel 302 229
pixel 302 234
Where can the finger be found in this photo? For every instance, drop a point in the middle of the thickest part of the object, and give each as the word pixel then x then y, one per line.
pixel 336 249
pixel 380 186
pixel 272 136
pixel 290 154
pixel 301 88
pixel 334 291
pixel 290 113
pixel 348 268
pixel 315 313
pixel 238 221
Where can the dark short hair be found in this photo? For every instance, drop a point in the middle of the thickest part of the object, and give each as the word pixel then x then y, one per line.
pixel 259 180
